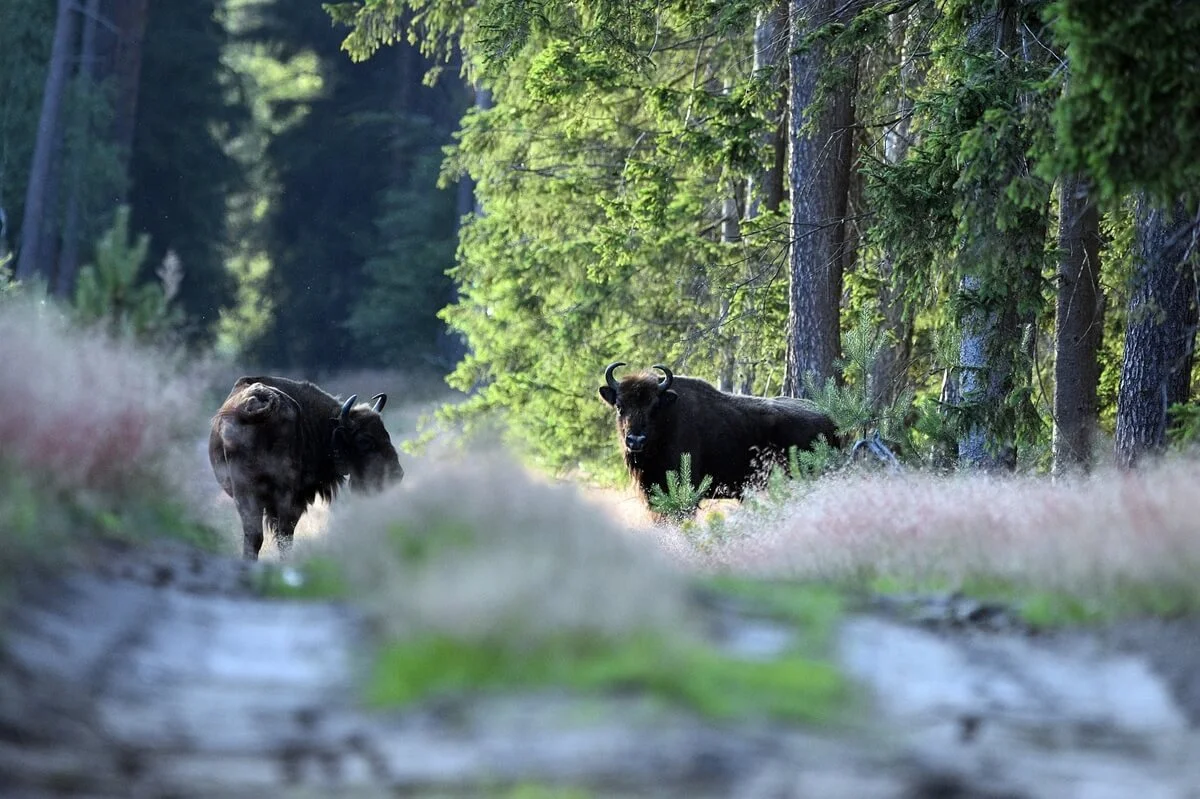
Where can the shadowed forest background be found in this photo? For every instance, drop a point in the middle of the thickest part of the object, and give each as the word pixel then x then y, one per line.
pixel 968 226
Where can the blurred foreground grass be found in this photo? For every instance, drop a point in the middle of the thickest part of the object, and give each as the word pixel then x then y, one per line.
pixel 97 441
pixel 1063 551
pixel 478 580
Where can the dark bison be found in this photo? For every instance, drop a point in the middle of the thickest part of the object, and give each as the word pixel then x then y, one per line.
pixel 278 444
pixel 731 437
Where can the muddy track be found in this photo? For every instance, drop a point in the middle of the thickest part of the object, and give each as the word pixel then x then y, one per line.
pixel 161 674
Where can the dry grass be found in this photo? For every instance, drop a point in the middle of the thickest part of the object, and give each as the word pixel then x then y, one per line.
pixel 97 438
pixel 1078 534
pixel 81 410
pixel 473 548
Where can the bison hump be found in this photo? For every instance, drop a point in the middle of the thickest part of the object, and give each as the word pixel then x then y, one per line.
pixel 257 403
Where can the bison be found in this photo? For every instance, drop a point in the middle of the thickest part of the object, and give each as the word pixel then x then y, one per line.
pixel 278 444
pixel 733 438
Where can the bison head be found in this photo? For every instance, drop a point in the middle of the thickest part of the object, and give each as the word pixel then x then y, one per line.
pixel 362 447
pixel 639 400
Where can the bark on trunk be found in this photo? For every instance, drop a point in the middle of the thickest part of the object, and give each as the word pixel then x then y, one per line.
pixel 1003 308
pixel 130 19
pixel 1079 318
pixel 1160 330
pixel 986 379
pixel 68 262
pixel 731 235
pixel 819 132
pixel 32 260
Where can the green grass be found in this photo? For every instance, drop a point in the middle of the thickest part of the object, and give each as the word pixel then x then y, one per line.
pixel 1103 601
pixel 317 578
pixel 40 524
pixel 792 687
pixel 812 608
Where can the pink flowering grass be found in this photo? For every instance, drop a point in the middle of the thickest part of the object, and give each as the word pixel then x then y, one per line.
pixel 97 437
pixel 79 410
pixel 1098 536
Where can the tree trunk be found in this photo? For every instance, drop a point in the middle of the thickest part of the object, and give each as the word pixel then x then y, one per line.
pixel 887 378
pixel 68 261
pixel 1160 330
pixel 986 377
pixel 130 19
pixel 32 260
pixel 1079 318
pixel 819 132
pixel 1001 273
pixel 731 235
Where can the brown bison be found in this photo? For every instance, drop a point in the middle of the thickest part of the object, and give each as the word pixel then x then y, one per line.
pixel 731 437
pixel 278 444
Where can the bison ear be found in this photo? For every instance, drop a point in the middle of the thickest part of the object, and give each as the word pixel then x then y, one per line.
pixel 667 399
pixel 608 395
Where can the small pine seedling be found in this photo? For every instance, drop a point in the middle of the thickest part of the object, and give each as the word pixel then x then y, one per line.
pixel 680 500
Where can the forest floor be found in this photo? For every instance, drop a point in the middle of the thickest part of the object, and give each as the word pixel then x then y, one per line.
pixel 160 671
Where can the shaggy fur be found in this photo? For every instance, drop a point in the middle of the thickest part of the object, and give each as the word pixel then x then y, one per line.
pixel 277 445
pixel 733 438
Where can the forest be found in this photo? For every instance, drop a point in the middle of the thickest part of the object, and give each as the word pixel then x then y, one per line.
pixel 966 225
pixel 963 230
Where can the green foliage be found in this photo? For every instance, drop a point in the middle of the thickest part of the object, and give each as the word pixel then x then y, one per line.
pixel 811 610
pixel 25 40
pixel 181 174
pixel 792 687
pixel 965 214
pixel 535 791
pixel 110 290
pixel 682 497
pixel 598 173
pixel 7 267
pixel 809 464
pixel 395 318
pixel 1183 431
pixel 354 232
pixel 851 403
pixel 41 524
pixel 1127 118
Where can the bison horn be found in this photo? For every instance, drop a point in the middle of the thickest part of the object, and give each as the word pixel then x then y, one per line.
pixel 663 385
pixel 380 400
pixel 346 406
pixel 608 375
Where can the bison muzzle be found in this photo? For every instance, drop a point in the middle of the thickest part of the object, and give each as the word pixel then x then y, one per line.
pixel 278 444
pixel 733 438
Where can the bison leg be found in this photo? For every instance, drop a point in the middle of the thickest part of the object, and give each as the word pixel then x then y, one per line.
pixel 284 525
pixel 251 511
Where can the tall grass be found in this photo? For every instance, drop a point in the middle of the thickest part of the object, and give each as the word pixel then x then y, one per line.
pixel 477 576
pixel 1109 537
pixel 94 434
pixel 471 546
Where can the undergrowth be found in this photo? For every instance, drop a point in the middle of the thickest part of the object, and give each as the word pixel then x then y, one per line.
pixel 93 432
pixel 1065 551
pixel 792 686
pixel 478 579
